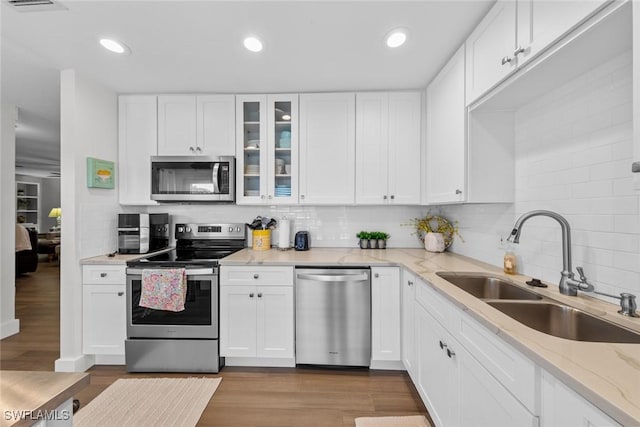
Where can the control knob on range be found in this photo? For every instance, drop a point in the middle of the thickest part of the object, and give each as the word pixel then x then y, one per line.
pixel 187 229
pixel 180 229
pixel 238 229
pixel 231 229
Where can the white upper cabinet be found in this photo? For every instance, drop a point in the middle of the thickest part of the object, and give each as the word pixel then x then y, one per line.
pixel 388 148
pixel 513 32
pixel 176 125
pixel 327 148
pixel 446 134
pixel 137 142
pixel 193 125
pixel 267 147
pixel 216 121
pixel 490 49
pixel 541 22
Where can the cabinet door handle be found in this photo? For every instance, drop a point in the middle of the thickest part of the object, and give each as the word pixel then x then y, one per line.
pixel 518 51
pixel 450 353
pixel 256 276
pixel 506 60
pixel 270 197
pixel 458 191
pixel 120 293
pixel 393 197
pixel 384 197
pixel 198 150
pixel 103 274
pixel 191 149
pixel 410 283
pixel 376 275
pixel 443 345
pixel 262 196
pixel 259 294
pixel 302 196
pixel 251 295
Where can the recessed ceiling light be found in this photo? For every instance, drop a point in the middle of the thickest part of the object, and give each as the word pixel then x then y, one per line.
pixel 115 46
pixel 396 38
pixel 253 44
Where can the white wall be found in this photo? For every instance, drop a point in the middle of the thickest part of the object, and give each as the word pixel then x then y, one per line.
pixel 573 155
pixel 329 226
pixel 9 325
pixel 89 128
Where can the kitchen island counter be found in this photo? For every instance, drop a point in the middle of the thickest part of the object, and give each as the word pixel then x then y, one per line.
pixel 606 374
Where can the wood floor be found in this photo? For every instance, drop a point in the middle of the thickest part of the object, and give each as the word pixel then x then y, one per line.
pixel 282 397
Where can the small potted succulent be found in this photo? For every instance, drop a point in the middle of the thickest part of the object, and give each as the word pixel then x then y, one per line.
pixel 382 238
pixel 365 239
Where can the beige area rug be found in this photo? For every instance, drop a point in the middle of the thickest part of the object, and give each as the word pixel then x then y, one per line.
pixel 149 402
pixel 408 421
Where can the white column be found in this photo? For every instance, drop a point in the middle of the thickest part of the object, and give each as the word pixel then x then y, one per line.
pixel 9 325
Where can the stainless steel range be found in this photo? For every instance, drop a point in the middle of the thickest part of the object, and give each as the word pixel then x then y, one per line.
pixel 181 341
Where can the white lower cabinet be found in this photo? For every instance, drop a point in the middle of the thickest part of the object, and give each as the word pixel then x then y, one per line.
pixel 457 388
pixel 103 310
pixel 385 317
pixel 256 314
pixel 408 337
pixel 563 407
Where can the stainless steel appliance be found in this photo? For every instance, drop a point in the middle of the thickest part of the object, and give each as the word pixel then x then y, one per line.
pixel 333 316
pixel 193 179
pixel 185 341
pixel 142 233
pixel 133 233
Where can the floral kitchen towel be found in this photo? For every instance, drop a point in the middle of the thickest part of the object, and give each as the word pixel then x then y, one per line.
pixel 164 289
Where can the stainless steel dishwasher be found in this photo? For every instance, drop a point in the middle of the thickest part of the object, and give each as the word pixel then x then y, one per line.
pixel 333 316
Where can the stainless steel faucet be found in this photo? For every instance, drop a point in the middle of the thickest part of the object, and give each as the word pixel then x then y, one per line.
pixel 568 284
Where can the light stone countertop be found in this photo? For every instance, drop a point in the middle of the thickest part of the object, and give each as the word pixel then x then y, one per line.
pixel 32 392
pixel 119 259
pixel 606 374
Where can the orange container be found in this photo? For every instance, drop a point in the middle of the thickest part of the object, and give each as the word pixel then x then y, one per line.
pixel 261 240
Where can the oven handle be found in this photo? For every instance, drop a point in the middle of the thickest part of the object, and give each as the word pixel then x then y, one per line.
pixel 190 271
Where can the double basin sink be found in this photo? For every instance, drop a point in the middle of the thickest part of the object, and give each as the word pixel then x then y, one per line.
pixel 536 312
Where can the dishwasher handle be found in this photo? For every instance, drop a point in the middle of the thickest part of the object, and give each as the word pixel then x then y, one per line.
pixel 334 278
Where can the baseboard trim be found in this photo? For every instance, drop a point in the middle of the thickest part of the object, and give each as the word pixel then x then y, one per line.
pixel 110 359
pixel 9 328
pixel 79 364
pixel 262 362
pixel 388 365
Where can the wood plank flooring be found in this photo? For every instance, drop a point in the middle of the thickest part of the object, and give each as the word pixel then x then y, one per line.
pixel 269 397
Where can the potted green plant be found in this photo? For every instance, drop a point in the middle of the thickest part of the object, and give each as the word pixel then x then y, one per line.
pixel 365 239
pixel 435 232
pixel 382 238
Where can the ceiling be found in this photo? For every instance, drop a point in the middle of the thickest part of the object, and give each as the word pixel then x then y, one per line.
pixel 196 46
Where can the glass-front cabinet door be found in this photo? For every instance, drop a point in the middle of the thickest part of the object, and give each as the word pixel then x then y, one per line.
pixel 267 149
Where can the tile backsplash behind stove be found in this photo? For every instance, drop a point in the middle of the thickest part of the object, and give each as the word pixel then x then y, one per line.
pixel 329 226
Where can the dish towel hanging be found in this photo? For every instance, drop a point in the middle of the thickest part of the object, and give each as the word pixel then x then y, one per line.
pixel 164 289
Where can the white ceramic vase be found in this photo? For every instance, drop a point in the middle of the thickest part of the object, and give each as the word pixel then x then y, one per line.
pixel 434 242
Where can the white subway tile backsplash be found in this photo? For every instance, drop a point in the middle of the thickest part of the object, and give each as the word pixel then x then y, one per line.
pixel 573 151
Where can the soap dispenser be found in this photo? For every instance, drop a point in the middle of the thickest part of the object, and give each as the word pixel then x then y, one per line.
pixel 510 260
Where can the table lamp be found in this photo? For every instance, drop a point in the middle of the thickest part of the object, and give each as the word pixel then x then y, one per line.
pixel 56 213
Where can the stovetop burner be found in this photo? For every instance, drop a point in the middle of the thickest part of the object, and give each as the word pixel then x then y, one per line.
pixel 198 245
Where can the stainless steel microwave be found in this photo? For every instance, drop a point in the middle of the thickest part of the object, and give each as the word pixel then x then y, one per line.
pixel 193 179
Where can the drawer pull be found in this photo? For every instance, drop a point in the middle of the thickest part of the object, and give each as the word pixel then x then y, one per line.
pixel 256 276
pixel 450 353
pixel 103 274
pixel 251 295
pixel 443 345
pixel 120 293
pixel 259 294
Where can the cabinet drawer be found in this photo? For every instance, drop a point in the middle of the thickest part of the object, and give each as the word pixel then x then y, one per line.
pixel 104 274
pixel 256 276
pixel 437 305
pixel 515 371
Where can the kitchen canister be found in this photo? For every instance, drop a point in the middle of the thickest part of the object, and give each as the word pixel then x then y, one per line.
pixel 284 234
pixel 261 240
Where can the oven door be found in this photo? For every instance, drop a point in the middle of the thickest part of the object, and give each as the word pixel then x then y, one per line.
pixel 199 319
